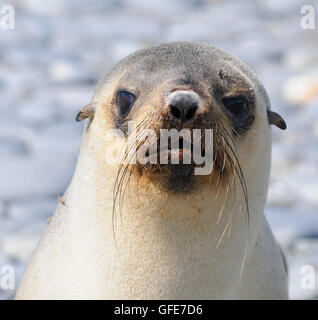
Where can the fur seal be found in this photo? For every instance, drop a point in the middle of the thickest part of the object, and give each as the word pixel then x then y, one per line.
pixel 158 231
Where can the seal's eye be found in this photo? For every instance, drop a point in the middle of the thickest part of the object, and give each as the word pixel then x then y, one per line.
pixel 125 101
pixel 238 106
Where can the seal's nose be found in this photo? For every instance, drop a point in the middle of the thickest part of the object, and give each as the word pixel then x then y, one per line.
pixel 183 105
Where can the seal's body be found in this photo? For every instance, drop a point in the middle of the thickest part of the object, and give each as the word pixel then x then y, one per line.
pixel 167 233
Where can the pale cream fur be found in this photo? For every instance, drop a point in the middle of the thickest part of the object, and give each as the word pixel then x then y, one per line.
pixel 167 246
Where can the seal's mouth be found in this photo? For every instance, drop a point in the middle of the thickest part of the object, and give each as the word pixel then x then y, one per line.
pixel 177 159
pixel 174 164
pixel 175 155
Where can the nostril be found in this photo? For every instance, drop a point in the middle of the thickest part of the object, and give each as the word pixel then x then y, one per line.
pixel 175 111
pixel 191 112
pixel 184 112
pixel 183 105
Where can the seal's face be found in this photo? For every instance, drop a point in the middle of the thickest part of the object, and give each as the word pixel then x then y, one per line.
pixel 181 89
pixel 184 87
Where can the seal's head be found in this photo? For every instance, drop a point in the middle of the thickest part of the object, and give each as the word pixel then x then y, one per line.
pixel 189 88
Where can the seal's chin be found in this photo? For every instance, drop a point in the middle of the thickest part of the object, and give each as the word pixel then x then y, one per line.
pixel 173 167
pixel 175 178
pixel 181 178
pixel 177 173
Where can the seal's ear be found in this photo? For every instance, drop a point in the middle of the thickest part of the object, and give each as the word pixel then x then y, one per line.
pixel 276 119
pixel 88 111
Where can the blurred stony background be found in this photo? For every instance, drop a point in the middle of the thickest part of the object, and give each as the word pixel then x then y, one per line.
pixel 51 62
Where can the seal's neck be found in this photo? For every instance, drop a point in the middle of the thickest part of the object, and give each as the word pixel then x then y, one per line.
pixel 157 238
